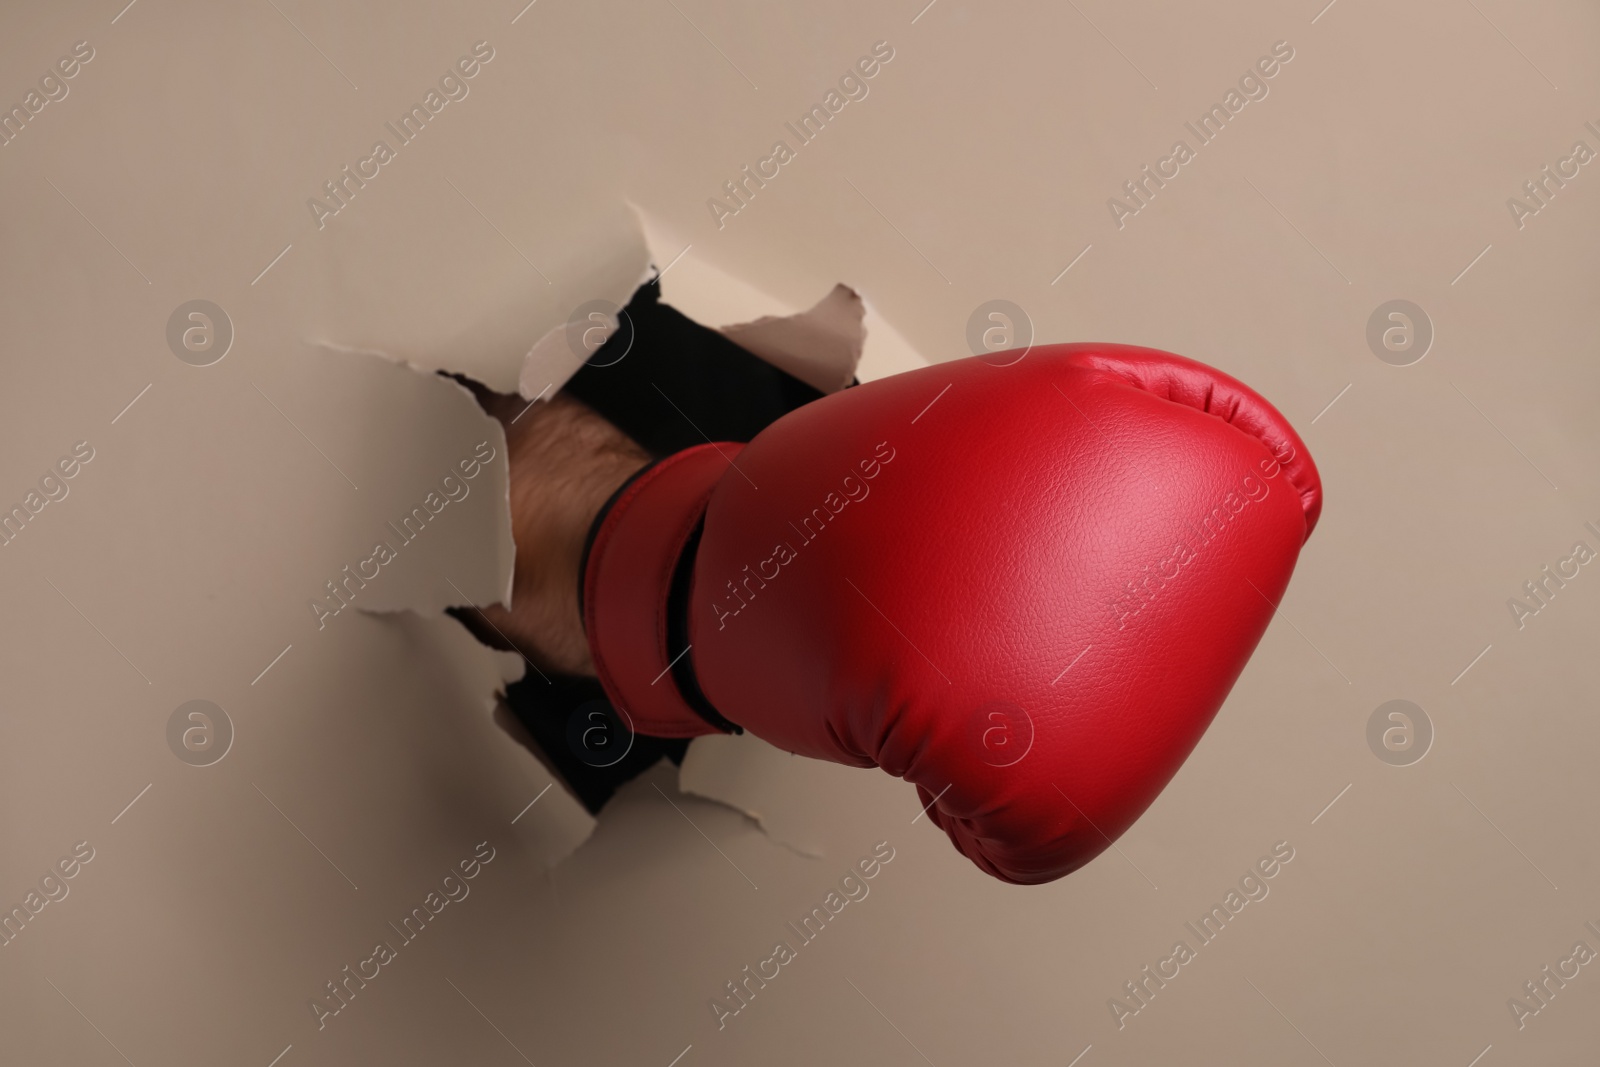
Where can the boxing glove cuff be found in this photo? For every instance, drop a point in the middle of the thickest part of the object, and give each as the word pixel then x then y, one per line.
pixel 640 552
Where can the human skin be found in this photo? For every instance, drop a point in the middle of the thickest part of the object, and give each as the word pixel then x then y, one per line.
pixel 565 462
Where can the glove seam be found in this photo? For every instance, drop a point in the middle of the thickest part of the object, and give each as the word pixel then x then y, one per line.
pixel 1309 494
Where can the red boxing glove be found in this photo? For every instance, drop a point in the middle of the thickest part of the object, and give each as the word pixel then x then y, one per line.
pixel 1026 589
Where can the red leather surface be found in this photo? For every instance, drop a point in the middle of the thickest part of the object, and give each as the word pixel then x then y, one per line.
pixel 626 582
pixel 1127 512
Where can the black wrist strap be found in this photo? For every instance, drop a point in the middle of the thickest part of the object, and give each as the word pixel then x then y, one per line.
pixel 678 637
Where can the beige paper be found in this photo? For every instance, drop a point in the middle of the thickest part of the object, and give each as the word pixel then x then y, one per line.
pixel 972 175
